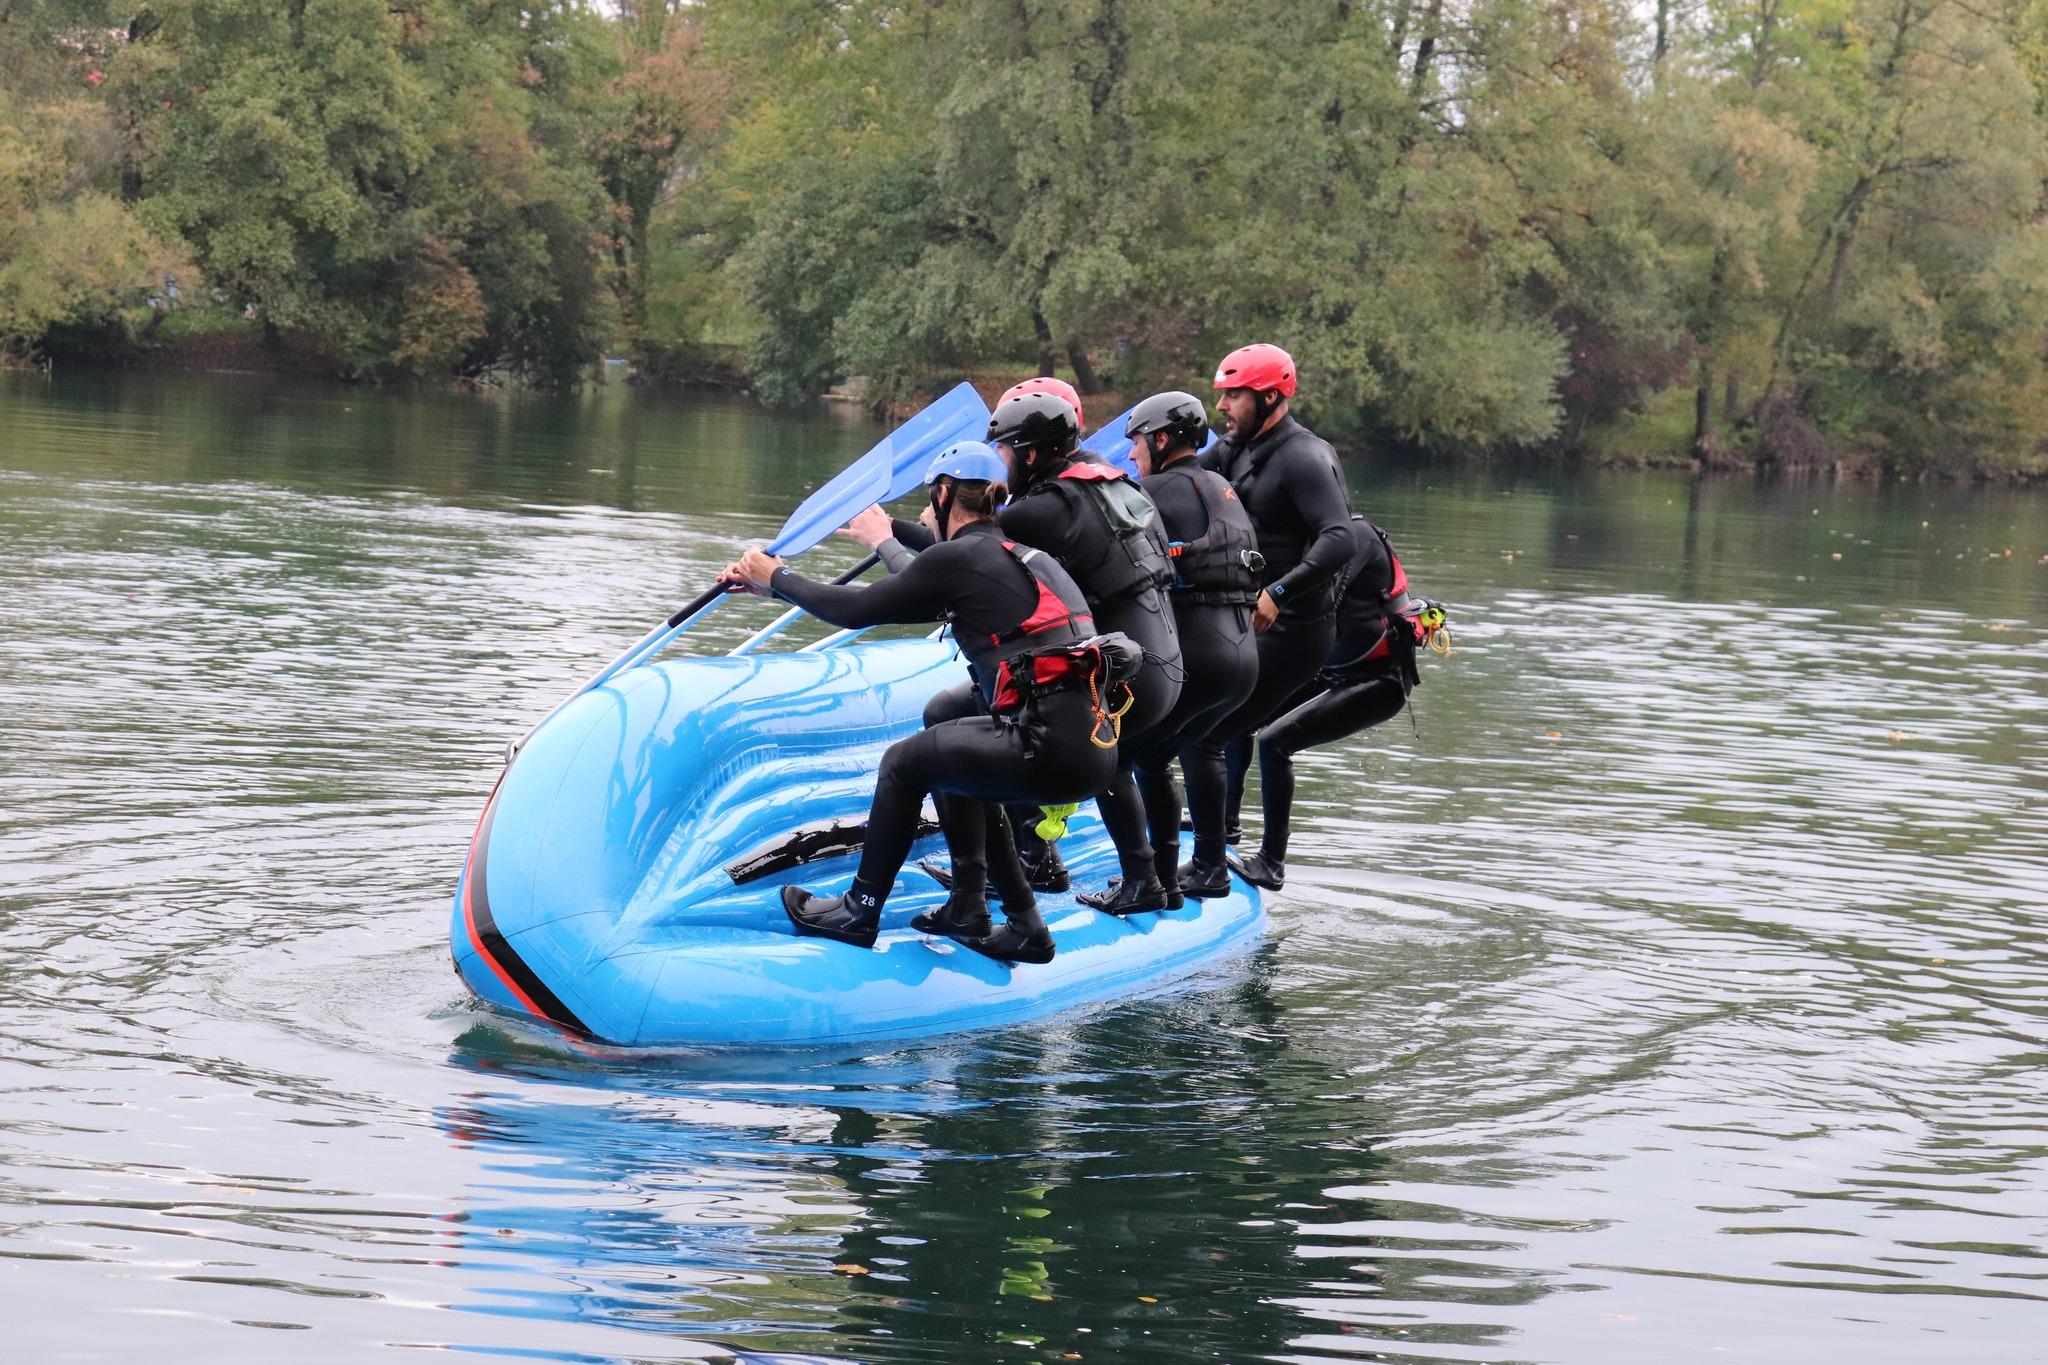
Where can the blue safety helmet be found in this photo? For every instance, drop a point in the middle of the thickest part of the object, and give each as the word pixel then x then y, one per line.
pixel 968 460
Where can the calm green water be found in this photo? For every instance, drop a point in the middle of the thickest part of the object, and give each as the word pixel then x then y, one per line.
pixel 1675 989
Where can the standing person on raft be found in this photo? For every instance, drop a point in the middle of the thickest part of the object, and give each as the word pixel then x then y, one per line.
pixel 1216 566
pixel 1027 634
pixel 1291 486
pixel 1106 533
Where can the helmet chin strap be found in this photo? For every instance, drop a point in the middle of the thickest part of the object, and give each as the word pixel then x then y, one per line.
pixel 942 514
pixel 1034 462
pixel 1266 401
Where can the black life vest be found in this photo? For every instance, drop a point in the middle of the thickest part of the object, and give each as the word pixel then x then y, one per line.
pixel 1377 622
pixel 1036 654
pixel 1220 567
pixel 1116 548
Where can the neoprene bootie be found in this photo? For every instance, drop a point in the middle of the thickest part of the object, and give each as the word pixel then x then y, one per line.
pixel 1260 870
pixel 1047 871
pixel 1021 937
pixel 1124 897
pixel 964 915
pixel 1165 867
pixel 855 917
pixel 1204 882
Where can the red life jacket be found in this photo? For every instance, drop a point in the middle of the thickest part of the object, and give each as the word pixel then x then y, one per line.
pixel 1037 653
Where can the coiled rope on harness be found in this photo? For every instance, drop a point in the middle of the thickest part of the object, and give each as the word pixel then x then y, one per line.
pixel 1105 719
pixel 1435 634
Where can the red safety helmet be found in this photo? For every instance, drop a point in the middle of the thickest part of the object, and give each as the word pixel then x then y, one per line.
pixel 1045 383
pixel 1257 366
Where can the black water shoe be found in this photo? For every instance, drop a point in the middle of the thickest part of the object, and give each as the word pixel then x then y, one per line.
pixel 964 915
pixel 834 917
pixel 1009 943
pixel 1204 882
pixel 1123 897
pixel 1260 870
pixel 1047 871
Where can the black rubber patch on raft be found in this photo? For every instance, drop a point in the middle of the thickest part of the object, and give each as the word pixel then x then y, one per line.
pixel 500 950
pixel 810 844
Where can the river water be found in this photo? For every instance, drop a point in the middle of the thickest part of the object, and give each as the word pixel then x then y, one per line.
pixel 1674 987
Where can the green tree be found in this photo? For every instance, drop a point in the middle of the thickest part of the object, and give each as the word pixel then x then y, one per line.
pixel 76 262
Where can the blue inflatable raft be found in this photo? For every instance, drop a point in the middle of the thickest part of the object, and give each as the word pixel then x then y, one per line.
pixel 623 882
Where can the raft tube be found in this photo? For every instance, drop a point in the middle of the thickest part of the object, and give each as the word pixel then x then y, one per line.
pixel 623 883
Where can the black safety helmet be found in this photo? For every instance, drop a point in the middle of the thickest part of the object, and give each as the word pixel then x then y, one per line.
pixel 1035 422
pixel 1180 415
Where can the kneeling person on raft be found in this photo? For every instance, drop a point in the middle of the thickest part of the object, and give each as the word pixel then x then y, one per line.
pixel 1105 532
pixel 1028 637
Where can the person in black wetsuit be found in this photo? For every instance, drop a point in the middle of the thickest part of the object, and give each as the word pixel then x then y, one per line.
pixel 1367 680
pixel 1021 621
pixel 1216 565
pixel 1105 532
pixel 1291 485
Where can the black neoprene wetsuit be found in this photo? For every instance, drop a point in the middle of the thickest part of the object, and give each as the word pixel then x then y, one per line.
pixel 1370 673
pixel 1293 487
pixel 1050 516
pixel 1038 754
pixel 1219 657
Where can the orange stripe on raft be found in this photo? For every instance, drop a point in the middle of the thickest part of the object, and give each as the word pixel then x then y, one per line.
pixel 469 914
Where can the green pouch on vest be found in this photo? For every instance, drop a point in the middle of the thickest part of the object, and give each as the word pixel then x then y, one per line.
pixel 1124 506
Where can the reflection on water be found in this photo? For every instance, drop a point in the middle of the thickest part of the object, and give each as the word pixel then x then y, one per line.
pixel 1669 989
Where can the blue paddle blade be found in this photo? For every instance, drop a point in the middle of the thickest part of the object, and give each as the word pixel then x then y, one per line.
pixel 1109 443
pixel 888 471
pixel 956 415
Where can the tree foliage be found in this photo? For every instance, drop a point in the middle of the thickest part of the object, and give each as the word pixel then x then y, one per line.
pixel 1806 230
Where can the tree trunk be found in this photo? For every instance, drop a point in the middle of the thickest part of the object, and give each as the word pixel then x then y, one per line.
pixel 131 163
pixel 1045 347
pixel 1703 443
pixel 1084 373
pixel 1703 414
pixel 1766 29
pixel 1425 50
pixel 636 285
pixel 1839 271
pixel 1663 45
pixel 1851 206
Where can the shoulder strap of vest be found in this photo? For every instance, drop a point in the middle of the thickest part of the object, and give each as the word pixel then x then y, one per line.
pixel 1394 597
pixel 1212 491
pixel 1087 472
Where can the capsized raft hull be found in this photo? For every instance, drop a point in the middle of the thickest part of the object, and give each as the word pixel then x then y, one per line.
pixel 624 880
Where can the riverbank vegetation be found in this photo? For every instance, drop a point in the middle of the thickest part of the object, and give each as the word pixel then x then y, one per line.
pixel 1802 232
